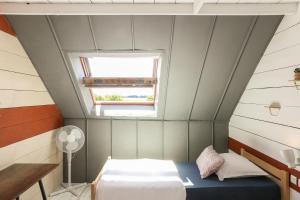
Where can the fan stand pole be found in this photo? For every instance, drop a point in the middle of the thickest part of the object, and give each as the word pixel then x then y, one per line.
pixel 69 168
pixel 69 187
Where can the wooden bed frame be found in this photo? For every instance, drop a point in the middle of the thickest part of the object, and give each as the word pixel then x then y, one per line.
pixel 281 177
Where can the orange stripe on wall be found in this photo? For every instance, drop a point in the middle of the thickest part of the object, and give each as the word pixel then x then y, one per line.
pixel 236 146
pixel 24 122
pixel 5 26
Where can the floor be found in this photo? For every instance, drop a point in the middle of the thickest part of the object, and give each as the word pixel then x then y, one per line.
pixel 86 195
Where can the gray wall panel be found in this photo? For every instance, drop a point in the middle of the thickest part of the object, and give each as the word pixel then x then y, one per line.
pixel 200 136
pixel 152 32
pixel 150 139
pixel 112 32
pixel 79 158
pixel 99 146
pixel 38 41
pixel 258 41
pixel 221 136
pixel 175 141
pixel 124 140
pixel 191 36
pixel 226 44
pixel 74 32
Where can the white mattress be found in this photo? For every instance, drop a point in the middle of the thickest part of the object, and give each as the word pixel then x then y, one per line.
pixel 140 179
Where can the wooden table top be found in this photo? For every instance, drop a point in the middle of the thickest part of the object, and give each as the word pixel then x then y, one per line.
pixel 17 178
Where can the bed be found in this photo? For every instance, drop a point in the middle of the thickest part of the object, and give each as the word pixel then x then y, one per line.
pixel 258 188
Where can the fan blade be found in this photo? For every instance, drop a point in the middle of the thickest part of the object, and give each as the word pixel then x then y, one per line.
pixel 71 138
pixel 62 137
pixel 72 146
pixel 76 133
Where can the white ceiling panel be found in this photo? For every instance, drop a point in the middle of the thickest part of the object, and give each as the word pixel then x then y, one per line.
pixel 184 1
pixel 122 1
pixel 59 1
pixel 101 1
pixel 248 1
pixel 80 1
pixel 144 1
pixel 164 1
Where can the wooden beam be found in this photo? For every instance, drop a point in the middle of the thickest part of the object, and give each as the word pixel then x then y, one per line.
pixel 118 82
pixel 249 9
pixel 149 9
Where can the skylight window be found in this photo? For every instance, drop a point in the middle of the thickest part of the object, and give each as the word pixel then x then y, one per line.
pixel 122 79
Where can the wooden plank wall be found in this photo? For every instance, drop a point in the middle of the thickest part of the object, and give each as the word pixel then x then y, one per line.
pixel 28 115
pixel 251 123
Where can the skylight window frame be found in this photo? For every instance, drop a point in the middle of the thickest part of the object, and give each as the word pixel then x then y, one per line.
pixel 87 73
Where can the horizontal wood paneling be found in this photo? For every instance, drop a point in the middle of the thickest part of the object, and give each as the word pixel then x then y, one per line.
pixel 288 57
pixel 16 81
pixel 282 134
pixel 288 96
pixel 15 63
pixel 13 98
pixel 25 122
pixel 287 115
pixel 280 59
pixel 288 21
pixel 257 142
pixel 11 44
pixel 5 26
pixel 285 39
pixel 276 78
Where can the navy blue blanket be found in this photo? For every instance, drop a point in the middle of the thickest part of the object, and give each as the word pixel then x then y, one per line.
pixel 252 188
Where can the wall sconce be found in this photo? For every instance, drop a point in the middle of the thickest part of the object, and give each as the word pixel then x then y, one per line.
pixel 274 108
pixel 289 157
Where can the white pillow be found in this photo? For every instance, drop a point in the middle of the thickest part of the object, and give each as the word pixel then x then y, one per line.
pixel 209 161
pixel 238 166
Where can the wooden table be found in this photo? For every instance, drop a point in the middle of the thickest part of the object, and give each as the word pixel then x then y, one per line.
pixel 17 178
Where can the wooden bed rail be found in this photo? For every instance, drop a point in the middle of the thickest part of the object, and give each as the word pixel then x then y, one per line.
pixel 282 176
pixel 95 182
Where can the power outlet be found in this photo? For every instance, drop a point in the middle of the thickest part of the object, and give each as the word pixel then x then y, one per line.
pixel 294 180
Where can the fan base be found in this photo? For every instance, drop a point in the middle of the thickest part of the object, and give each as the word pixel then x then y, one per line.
pixel 70 189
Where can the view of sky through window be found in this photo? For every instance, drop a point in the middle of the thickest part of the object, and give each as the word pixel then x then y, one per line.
pixel 123 67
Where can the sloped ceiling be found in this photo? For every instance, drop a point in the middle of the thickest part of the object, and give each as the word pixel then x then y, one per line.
pixel 210 61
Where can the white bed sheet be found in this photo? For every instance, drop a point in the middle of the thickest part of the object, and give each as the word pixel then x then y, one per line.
pixel 140 179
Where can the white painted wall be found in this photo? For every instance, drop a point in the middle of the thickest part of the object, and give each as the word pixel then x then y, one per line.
pixel 251 122
pixel 20 86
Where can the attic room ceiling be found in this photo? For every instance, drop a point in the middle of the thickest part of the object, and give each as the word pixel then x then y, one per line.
pixel 149 7
pixel 211 58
